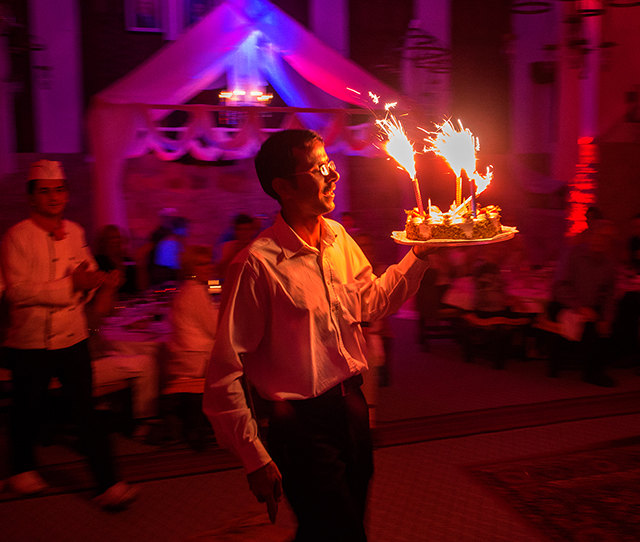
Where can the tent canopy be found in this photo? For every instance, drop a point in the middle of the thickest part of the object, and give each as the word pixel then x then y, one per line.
pixel 252 42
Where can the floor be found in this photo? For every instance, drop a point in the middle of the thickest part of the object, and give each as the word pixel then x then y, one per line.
pixel 419 492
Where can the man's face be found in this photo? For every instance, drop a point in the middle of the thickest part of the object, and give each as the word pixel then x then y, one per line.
pixel 49 198
pixel 313 192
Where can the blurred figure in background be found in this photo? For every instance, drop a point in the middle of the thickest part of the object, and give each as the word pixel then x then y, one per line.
pixel 245 228
pixel 50 275
pixel 166 257
pixel 110 367
pixel 194 320
pixel 626 327
pixel 491 296
pixel 110 255
pixel 584 301
pixel 378 336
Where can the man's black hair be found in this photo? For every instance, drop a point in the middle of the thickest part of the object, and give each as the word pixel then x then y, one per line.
pixel 276 159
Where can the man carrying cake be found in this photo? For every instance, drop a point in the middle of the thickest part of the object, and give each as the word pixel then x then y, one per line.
pixel 291 316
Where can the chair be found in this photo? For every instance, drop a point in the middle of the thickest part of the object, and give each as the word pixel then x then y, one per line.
pixel 436 320
pixel 561 353
pixel 181 411
pixel 493 335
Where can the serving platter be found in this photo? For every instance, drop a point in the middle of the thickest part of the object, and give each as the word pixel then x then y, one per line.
pixel 508 232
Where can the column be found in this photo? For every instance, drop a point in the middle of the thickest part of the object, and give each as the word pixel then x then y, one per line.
pixel 7 126
pixel 57 76
pixel 431 90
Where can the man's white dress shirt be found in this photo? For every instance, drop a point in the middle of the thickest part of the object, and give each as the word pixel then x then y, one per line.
pixel 290 321
pixel 45 311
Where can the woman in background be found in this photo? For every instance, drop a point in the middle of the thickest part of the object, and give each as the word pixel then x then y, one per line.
pixel 111 255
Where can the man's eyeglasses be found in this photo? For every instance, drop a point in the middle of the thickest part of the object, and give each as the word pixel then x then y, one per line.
pixel 324 169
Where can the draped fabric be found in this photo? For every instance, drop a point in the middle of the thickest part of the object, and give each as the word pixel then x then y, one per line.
pixel 240 39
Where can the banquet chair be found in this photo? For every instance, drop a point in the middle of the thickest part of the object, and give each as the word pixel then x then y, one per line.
pixel 561 354
pixel 493 335
pixel 436 320
pixel 181 411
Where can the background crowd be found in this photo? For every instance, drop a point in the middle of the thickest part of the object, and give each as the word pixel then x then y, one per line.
pixel 53 283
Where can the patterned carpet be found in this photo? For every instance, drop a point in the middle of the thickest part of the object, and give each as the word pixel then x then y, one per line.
pixel 591 494
pixel 71 474
pixel 172 462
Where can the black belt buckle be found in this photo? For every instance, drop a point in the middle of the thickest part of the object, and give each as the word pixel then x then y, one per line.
pixel 350 384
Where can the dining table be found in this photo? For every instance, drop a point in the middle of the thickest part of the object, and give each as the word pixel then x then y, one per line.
pixel 138 332
pixel 529 290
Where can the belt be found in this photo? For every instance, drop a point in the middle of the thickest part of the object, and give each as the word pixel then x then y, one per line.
pixel 345 387
pixel 279 409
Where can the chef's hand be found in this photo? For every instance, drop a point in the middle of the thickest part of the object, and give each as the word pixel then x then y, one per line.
pixel 85 279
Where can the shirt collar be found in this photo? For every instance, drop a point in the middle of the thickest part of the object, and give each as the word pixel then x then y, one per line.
pixel 291 242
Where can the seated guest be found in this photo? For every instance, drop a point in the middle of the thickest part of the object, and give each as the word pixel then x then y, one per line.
pixel 501 322
pixel 491 297
pixel 377 335
pixel 109 366
pixel 166 257
pixel 583 299
pixel 194 320
pixel 145 255
pixel 110 255
pixel 245 229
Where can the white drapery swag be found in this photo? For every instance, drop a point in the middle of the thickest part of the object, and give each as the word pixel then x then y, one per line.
pixel 204 141
pixel 136 129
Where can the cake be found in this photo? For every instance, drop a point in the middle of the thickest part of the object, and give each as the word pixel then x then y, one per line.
pixel 449 225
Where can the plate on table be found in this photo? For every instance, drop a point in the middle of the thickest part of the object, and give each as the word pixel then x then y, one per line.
pixel 508 232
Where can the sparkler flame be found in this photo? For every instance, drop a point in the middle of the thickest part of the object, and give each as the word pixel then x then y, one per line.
pixel 458 148
pixel 398 145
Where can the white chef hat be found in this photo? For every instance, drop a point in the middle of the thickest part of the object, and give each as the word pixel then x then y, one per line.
pixel 46 169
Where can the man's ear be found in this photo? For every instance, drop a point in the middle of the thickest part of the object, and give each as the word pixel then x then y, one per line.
pixel 282 187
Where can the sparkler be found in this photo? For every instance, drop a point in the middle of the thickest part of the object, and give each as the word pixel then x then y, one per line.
pixel 400 149
pixel 458 148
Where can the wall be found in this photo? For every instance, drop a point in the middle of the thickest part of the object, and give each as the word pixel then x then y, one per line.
pixel 620 70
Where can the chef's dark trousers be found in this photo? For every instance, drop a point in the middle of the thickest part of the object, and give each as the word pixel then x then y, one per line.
pixel 32 371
